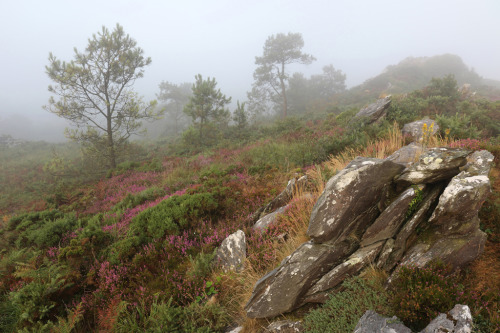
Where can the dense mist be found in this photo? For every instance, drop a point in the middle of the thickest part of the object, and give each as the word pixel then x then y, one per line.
pixel 221 40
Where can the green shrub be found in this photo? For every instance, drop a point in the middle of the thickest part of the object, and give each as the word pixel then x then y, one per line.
pixel 201 265
pixel 173 214
pixel 133 200
pixel 460 126
pixel 342 311
pixel 124 249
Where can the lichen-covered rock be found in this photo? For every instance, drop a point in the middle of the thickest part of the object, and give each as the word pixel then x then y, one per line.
pixel 284 197
pixel 372 322
pixel 415 130
pixel 374 111
pixel 350 267
pixel 456 251
pixel 434 165
pixel 479 163
pixel 407 155
pixel 285 326
pixel 279 291
pixel 458 207
pixel 400 242
pixel 385 253
pixel 348 203
pixel 268 219
pixel 232 252
pixel 458 320
pixel 391 219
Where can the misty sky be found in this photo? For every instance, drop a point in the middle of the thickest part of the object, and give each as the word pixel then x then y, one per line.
pixel 220 38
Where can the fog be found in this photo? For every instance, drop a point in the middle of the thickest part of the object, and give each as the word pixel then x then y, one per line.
pixel 221 38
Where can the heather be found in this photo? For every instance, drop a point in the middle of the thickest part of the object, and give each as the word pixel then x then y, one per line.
pixel 132 249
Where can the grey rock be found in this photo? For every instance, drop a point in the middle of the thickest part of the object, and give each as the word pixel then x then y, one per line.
pixel 458 207
pixel 231 254
pixel 415 129
pixel 294 185
pixel 349 202
pixel 350 267
pixel 389 222
pixel 385 253
pixel 400 243
pixel 407 155
pixel 375 111
pixel 285 326
pixel 479 163
pixel 372 322
pixel 434 165
pixel 456 251
pixel 279 290
pixel 235 330
pixel 268 219
pixel 458 320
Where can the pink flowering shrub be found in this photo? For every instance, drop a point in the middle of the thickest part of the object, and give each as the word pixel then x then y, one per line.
pixel 472 144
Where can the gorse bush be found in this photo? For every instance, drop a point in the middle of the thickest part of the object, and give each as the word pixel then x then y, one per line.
pixel 343 310
pixel 173 214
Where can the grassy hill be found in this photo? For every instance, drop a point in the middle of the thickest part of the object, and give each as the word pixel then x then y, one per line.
pixel 131 251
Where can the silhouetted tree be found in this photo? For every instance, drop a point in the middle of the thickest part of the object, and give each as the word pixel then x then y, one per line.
pixel 95 92
pixel 173 98
pixel 271 74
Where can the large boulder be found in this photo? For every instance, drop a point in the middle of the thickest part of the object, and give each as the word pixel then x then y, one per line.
pixel 349 202
pixel 374 111
pixel 279 291
pixel 415 130
pixel 319 293
pixel 457 251
pixel 389 222
pixel 399 246
pixel 434 165
pixel 231 253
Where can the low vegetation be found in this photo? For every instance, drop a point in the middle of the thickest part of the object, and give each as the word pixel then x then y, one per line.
pixel 131 250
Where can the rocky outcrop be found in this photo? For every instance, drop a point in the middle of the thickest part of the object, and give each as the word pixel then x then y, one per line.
pixel 457 320
pixel 280 290
pixel 415 130
pixel 232 252
pixel 434 165
pixel 318 293
pixel 349 202
pixel 389 222
pixel 379 212
pixel 374 111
